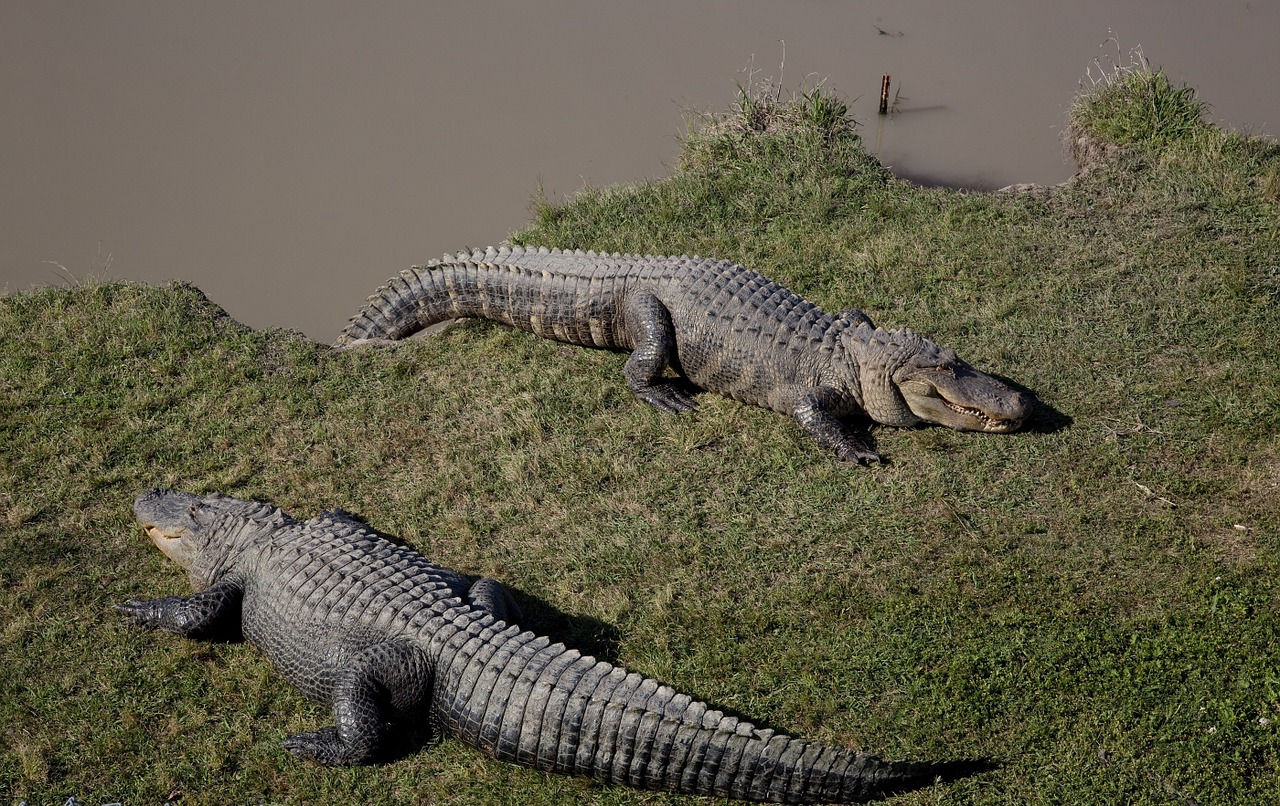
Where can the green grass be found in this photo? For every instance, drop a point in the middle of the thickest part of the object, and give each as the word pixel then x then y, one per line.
pixel 1094 601
pixel 1144 110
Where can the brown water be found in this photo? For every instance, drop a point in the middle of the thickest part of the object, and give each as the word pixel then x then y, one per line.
pixel 288 157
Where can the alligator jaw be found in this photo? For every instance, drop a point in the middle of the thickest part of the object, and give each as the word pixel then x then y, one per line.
pixel 171 544
pixel 165 517
pixel 988 405
pixel 988 424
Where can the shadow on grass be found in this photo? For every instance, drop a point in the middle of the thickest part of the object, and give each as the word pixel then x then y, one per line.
pixel 1044 419
pixel 1047 420
pixel 588 635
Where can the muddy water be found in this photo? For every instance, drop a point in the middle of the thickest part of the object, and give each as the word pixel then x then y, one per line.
pixel 289 157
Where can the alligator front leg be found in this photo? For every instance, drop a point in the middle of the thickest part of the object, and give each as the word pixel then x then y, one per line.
pixel 381 681
pixel 653 340
pixel 195 615
pixel 818 411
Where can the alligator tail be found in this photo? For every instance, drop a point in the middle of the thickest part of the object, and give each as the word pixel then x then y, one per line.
pixel 415 299
pixel 536 703
pixel 557 295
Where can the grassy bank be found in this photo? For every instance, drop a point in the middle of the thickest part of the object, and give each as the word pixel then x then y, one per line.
pixel 1094 602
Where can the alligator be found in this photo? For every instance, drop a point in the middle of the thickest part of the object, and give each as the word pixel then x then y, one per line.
pixel 379 634
pixel 725 328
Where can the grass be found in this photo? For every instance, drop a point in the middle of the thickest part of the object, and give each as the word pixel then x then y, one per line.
pixel 1094 601
pixel 1144 109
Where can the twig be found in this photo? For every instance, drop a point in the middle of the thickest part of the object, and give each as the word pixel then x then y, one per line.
pixel 1150 494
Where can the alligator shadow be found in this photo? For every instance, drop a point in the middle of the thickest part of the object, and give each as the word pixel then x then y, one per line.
pixel 1044 419
pixel 588 635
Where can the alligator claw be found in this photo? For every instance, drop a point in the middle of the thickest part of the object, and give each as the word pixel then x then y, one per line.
pixel 323 746
pixel 140 612
pixel 667 397
pixel 859 454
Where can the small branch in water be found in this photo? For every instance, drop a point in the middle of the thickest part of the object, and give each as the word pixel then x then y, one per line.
pixel 782 69
pixel 884 95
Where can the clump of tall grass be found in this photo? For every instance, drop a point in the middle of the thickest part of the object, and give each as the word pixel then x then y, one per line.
pixel 1131 104
pixel 767 129
pixel 763 108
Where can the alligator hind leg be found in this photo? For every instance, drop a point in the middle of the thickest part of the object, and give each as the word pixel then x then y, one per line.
pixel 382 681
pixel 489 594
pixel 653 340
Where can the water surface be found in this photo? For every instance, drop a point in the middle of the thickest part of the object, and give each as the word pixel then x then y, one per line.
pixel 288 157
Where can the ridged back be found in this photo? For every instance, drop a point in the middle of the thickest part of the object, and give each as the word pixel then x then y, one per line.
pixel 337 572
pixel 575 297
pixel 323 590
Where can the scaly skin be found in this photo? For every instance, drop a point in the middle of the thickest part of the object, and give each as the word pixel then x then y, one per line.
pixel 726 328
pixel 376 632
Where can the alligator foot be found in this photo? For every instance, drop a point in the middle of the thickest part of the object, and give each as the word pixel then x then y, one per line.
pixel 324 746
pixel 146 613
pixel 666 396
pixel 489 594
pixel 817 412
pixel 653 349
pixel 853 451
pixel 205 613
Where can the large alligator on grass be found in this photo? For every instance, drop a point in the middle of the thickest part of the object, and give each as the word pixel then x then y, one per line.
pixel 375 631
pixel 724 327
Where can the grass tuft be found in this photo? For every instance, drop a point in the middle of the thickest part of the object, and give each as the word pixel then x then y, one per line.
pixel 1132 104
pixel 760 110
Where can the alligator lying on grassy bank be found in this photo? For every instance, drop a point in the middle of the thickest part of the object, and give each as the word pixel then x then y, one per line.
pixel 725 328
pixel 378 633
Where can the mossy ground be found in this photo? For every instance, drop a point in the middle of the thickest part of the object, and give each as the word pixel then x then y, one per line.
pixel 1093 602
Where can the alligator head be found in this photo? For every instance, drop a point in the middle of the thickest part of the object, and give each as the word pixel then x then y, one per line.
pixel 908 379
pixel 195 531
pixel 958 396
pixel 941 387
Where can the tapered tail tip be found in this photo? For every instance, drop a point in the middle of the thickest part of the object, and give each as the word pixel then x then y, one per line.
pixel 905 776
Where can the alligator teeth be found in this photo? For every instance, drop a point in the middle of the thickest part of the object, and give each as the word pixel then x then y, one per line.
pixel 989 423
pixel 968 411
